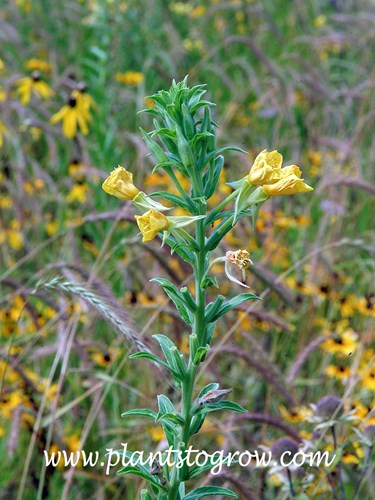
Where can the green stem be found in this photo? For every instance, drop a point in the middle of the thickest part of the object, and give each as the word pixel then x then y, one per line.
pixel 219 208
pixel 188 384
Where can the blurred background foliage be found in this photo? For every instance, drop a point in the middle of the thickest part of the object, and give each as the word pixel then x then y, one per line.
pixel 297 76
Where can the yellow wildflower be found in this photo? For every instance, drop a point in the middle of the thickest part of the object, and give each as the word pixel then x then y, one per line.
pixel 291 184
pixel 130 77
pixel 119 183
pixel 345 343
pixel 35 64
pixel 73 118
pixel 340 372
pixel 368 378
pixel 84 100
pixel 266 168
pixel 151 223
pixel 296 414
pixel 78 193
pixel 32 85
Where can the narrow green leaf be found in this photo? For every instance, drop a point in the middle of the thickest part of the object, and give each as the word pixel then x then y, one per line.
pixel 207 491
pixel 142 412
pixel 221 405
pixel 231 304
pixel 134 470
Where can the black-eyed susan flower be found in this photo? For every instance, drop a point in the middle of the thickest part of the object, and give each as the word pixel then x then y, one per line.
pixel 73 118
pixel 344 343
pixel 339 372
pixel 35 64
pixel 296 414
pixel 130 78
pixel 367 380
pixel 84 100
pixel 29 85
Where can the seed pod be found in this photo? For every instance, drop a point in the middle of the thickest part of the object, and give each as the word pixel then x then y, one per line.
pixel 212 397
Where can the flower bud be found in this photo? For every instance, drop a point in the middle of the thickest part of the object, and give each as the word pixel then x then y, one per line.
pixel 283 445
pixel 327 406
pixel 119 183
pixel 151 223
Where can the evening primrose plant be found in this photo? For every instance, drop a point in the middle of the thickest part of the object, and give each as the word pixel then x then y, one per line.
pixel 183 140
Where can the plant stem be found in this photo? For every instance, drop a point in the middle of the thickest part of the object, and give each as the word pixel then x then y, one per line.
pixel 200 267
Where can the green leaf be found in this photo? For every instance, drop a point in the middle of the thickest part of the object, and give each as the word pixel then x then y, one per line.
pixel 221 405
pixel 196 423
pixel 231 304
pixel 213 308
pixel 166 406
pixel 185 151
pixel 207 491
pixel 199 469
pixel 148 355
pixel 157 152
pixel 134 470
pixel 174 418
pixel 210 387
pixel 201 354
pixel 142 412
pixel 217 151
pixel 166 345
pixel 208 281
pixel 211 183
pixel 145 495
pixel 173 198
pixel 176 297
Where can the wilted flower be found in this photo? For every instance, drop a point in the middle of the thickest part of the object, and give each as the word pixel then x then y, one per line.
pixel 241 259
pixel 151 223
pixel 32 84
pixel 119 183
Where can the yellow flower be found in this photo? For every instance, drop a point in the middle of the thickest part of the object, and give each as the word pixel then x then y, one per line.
pixel 345 343
pixel 296 414
pixel 73 118
pixel 266 168
pixel 119 183
pixel 368 379
pixel 267 171
pixel 32 84
pixel 38 65
pixel 291 184
pixel 78 193
pixel 130 77
pixel 84 100
pixel 340 372
pixel 151 223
